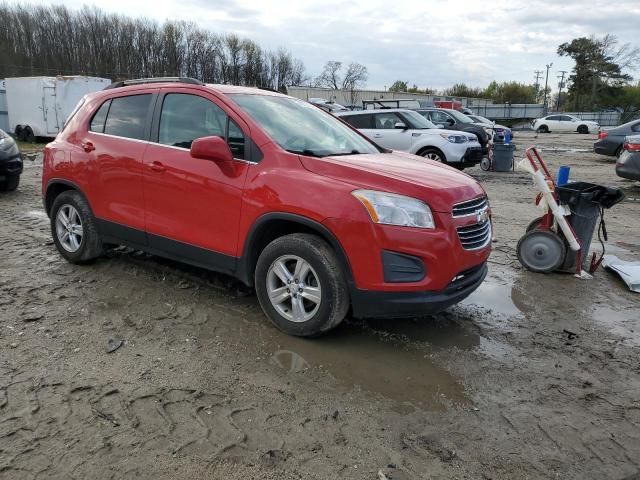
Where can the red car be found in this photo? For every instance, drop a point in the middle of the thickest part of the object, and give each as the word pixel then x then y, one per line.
pixel 268 189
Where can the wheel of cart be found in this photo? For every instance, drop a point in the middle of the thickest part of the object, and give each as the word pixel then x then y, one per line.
pixel 560 239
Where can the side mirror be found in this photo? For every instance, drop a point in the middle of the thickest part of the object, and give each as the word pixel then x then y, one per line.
pixel 450 121
pixel 400 126
pixel 211 148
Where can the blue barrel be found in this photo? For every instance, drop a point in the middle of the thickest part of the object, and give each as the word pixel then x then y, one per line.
pixel 563 175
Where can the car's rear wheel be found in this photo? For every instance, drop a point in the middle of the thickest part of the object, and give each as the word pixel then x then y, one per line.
pixel 74 229
pixel 583 129
pixel 543 129
pixel 10 183
pixel 433 154
pixel 301 286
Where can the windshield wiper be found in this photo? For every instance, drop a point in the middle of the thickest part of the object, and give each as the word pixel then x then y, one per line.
pixel 339 154
pixel 309 153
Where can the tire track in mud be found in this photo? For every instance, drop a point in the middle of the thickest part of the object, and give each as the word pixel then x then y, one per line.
pixel 54 429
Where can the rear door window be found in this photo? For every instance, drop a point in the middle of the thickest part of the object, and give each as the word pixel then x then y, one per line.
pixel 127 116
pixel 100 117
pixel 358 121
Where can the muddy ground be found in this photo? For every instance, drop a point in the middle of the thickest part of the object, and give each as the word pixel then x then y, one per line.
pixel 531 377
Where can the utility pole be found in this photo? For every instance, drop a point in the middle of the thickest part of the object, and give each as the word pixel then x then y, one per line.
pixel 546 84
pixel 560 87
pixel 538 75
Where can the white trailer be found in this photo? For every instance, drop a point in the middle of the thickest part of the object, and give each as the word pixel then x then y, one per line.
pixel 39 106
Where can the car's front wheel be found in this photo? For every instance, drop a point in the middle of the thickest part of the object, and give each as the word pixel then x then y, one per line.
pixel 10 183
pixel 433 154
pixel 301 286
pixel 74 229
pixel 583 129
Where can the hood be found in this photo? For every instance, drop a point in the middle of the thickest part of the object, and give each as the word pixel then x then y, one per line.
pixel 438 185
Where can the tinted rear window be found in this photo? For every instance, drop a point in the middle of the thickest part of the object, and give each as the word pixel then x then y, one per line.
pixel 358 121
pixel 127 116
pixel 97 122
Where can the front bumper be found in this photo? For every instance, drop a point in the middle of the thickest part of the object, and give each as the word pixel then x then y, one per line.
pixel 472 156
pixel 380 304
pixel 10 163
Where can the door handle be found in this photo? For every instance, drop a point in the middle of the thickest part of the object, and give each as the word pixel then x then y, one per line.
pixel 377 135
pixel 157 167
pixel 87 146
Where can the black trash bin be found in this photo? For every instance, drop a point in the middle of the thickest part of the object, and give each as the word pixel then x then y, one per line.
pixel 585 200
pixel 503 157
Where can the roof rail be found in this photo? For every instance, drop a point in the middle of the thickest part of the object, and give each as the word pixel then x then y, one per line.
pixel 142 81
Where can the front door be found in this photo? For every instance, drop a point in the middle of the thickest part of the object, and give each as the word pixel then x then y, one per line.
pixel 49 110
pixel 385 133
pixel 192 206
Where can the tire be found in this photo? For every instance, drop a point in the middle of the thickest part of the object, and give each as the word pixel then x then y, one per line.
pixel 28 135
pixel 543 129
pixel 618 152
pixel 324 275
pixel 10 183
pixel 433 154
pixel 19 132
pixel 541 251
pixel 534 224
pixel 89 246
pixel 583 129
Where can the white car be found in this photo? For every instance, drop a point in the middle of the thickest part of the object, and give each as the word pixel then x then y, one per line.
pixel 408 131
pixel 564 123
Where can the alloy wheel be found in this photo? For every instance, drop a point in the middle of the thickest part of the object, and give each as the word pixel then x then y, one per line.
pixel 69 228
pixel 294 288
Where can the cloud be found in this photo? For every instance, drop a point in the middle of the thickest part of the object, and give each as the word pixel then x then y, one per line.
pixel 431 43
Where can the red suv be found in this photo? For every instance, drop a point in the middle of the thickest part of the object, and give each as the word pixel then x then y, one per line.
pixel 268 189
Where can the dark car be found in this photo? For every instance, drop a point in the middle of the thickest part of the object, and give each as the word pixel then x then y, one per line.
pixel 628 164
pixel 610 141
pixel 454 120
pixel 10 163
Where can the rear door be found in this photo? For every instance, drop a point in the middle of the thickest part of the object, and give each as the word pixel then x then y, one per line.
pixel 114 146
pixel 49 110
pixel 192 206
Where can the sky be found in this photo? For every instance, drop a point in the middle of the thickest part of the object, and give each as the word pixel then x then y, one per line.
pixel 429 43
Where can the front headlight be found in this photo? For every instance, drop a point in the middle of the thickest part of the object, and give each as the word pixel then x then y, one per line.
pixel 454 138
pixel 393 209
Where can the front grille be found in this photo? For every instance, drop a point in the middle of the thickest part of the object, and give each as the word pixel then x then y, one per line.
pixel 470 207
pixel 476 236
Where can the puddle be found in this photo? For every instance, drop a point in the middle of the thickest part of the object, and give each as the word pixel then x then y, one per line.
pixel 37 214
pixel 499 298
pixel 390 358
pixel 624 323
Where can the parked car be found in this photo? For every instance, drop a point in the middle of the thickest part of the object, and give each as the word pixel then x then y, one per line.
pixel 610 140
pixel 408 131
pixel 628 164
pixel 271 190
pixel 328 106
pixel 564 123
pixel 10 163
pixel 454 120
pixel 497 128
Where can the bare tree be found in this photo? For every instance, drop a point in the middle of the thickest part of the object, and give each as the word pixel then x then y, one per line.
pixel 330 76
pixel 354 80
pixel 55 40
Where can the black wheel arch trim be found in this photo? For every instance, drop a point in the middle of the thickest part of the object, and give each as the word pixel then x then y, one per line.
pixel 61 181
pixel 247 262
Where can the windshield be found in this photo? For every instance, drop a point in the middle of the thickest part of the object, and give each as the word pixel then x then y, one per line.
pixel 481 119
pixel 417 121
pixel 460 117
pixel 299 127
